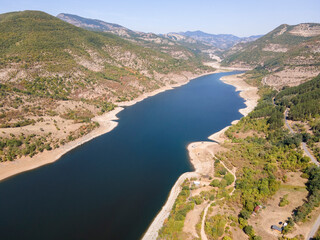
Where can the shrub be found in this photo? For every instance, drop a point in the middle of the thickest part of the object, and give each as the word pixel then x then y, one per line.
pixel 249 231
pixel 284 201
pixel 215 183
pixel 229 178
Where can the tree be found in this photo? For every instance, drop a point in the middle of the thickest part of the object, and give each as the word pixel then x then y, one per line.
pixel 229 178
pixel 245 214
pixel 249 231
pixel 215 183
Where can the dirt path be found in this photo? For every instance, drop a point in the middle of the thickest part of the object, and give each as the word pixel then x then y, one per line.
pixel 313 159
pixel 285 119
pixel 203 233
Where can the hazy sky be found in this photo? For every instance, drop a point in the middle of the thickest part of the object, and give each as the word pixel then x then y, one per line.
pixel 238 17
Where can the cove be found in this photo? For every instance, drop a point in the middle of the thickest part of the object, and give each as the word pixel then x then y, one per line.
pixel 113 186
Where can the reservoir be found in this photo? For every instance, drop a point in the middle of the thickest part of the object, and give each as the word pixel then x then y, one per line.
pixel 113 186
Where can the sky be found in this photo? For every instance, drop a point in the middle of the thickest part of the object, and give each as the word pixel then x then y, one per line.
pixel 238 17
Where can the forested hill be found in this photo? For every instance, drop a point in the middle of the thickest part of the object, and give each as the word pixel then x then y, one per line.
pixel 303 102
pixel 35 44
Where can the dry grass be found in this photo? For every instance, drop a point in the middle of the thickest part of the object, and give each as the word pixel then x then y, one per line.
pixel 272 214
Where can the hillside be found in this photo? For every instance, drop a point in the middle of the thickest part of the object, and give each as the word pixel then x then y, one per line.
pixel 287 56
pixel 55 47
pixel 55 77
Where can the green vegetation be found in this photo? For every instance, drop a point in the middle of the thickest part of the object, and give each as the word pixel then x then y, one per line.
pixel 17 146
pixel 267 151
pixel 215 183
pixel 21 123
pixel 215 226
pixel 219 169
pixel 303 102
pixel 55 60
pixel 313 186
pixel 47 61
pixel 263 151
pixel 173 226
pixel 284 201
pixel 79 116
pixel 208 195
pixel 221 172
pixel 229 178
pixel 54 43
pixel 289 227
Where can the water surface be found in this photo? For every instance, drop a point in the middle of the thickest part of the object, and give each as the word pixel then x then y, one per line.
pixel 113 186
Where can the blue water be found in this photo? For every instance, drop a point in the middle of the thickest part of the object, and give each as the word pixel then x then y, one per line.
pixel 113 186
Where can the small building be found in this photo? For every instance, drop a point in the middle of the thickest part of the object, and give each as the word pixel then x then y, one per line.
pixel 257 208
pixel 196 183
pixel 276 228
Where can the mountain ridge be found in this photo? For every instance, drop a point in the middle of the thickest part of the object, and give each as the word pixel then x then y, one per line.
pixel 148 40
pixel 172 43
pixel 222 41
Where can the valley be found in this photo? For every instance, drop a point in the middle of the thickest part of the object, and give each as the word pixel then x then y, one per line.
pixel 140 113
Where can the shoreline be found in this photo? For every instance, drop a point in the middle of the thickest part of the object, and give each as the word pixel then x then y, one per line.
pixel 249 94
pixel 107 124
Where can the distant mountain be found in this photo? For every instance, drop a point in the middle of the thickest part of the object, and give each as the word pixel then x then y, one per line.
pixel 222 41
pixel 288 55
pixel 178 45
pixel 206 49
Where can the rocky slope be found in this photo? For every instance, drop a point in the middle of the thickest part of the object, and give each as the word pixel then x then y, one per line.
pixel 287 56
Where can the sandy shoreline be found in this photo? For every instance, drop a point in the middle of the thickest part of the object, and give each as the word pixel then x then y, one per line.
pixel 203 165
pixel 107 124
